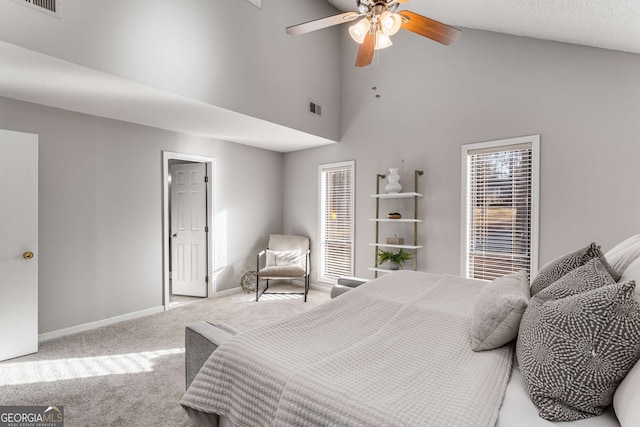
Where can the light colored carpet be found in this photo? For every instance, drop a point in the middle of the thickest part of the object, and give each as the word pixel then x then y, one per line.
pixel 131 373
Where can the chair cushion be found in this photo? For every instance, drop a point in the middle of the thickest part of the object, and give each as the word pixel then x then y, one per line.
pixel 284 258
pixel 283 242
pixel 282 272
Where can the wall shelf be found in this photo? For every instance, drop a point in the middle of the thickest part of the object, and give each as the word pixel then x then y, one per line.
pixel 388 245
pixel 396 195
pixel 395 220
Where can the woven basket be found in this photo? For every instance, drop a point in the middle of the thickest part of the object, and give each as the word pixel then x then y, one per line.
pixel 248 281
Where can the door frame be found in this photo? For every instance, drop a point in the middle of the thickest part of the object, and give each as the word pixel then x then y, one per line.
pixel 166 249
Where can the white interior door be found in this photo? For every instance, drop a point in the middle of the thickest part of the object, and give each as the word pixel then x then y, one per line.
pixel 188 233
pixel 18 244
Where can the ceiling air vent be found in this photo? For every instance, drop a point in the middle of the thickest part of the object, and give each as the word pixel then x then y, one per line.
pixel 50 7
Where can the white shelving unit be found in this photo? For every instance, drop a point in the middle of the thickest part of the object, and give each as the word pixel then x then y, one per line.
pixel 378 221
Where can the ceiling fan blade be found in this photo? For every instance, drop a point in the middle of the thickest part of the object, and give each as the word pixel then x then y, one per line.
pixel 429 28
pixel 365 53
pixel 321 23
pixel 402 1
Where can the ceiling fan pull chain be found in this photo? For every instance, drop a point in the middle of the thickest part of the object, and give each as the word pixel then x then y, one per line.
pixel 374 87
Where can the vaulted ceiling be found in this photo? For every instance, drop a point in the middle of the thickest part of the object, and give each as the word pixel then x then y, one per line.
pixel 608 24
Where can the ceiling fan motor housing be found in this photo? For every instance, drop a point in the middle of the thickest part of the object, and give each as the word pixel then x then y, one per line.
pixel 378 6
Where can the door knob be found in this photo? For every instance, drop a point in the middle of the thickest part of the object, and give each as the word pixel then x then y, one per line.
pixel 174 235
pixel 27 255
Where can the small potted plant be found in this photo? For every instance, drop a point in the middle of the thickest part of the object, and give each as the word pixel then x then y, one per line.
pixel 395 259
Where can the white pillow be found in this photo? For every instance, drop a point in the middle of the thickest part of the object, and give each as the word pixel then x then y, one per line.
pixel 283 258
pixel 626 399
pixel 624 253
pixel 632 272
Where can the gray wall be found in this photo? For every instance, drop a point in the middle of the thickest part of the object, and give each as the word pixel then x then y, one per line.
pixel 584 102
pixel 100 210
pixel 226 53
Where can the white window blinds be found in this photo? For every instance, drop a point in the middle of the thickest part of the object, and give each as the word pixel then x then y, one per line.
pixel 336 221
pixel 499 210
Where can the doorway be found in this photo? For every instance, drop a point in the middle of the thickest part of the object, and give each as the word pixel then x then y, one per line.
pixel 187 220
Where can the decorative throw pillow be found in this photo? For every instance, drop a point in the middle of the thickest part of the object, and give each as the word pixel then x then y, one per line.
pixel 498 310
pixel 585 278
pixel 283 258
pixel 573 352
pixel 557 268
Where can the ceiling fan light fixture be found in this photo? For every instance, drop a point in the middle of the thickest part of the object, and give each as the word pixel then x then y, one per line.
pixel 360 30
pixel 383 41
pixel 390 22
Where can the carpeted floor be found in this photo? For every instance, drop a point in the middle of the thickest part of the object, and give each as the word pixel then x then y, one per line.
pixel 131 373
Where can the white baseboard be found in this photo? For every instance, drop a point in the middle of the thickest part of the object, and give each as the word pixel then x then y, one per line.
pixel 321 287
pixel 98 324
pixel 227 292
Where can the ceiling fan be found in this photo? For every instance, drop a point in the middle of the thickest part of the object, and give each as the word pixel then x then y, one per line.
pixel 380 22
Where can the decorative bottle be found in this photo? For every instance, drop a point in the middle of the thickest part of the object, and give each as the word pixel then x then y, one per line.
pixel 394 182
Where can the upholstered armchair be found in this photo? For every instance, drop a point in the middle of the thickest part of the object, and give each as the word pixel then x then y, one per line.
pixel 286 258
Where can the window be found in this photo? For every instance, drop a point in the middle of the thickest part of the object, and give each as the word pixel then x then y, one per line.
pixel 500 207
pixel 336 221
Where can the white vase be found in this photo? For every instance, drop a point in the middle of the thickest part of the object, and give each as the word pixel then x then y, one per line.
pixel 394 182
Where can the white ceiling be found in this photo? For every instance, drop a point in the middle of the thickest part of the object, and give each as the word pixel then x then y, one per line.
pixel 608 24
pixel 34 77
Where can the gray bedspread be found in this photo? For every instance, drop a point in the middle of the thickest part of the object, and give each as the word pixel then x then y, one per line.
pixel 392 352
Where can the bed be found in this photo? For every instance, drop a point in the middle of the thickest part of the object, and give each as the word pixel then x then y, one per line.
pixel 392 352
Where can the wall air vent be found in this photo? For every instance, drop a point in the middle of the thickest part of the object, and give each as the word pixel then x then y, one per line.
pixel 315 108
pixel 50 7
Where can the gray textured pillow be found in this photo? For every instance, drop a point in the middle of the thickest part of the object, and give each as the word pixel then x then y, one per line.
pixel 573 352
pixel 557 268
pixel 585 278
pixel 498 310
